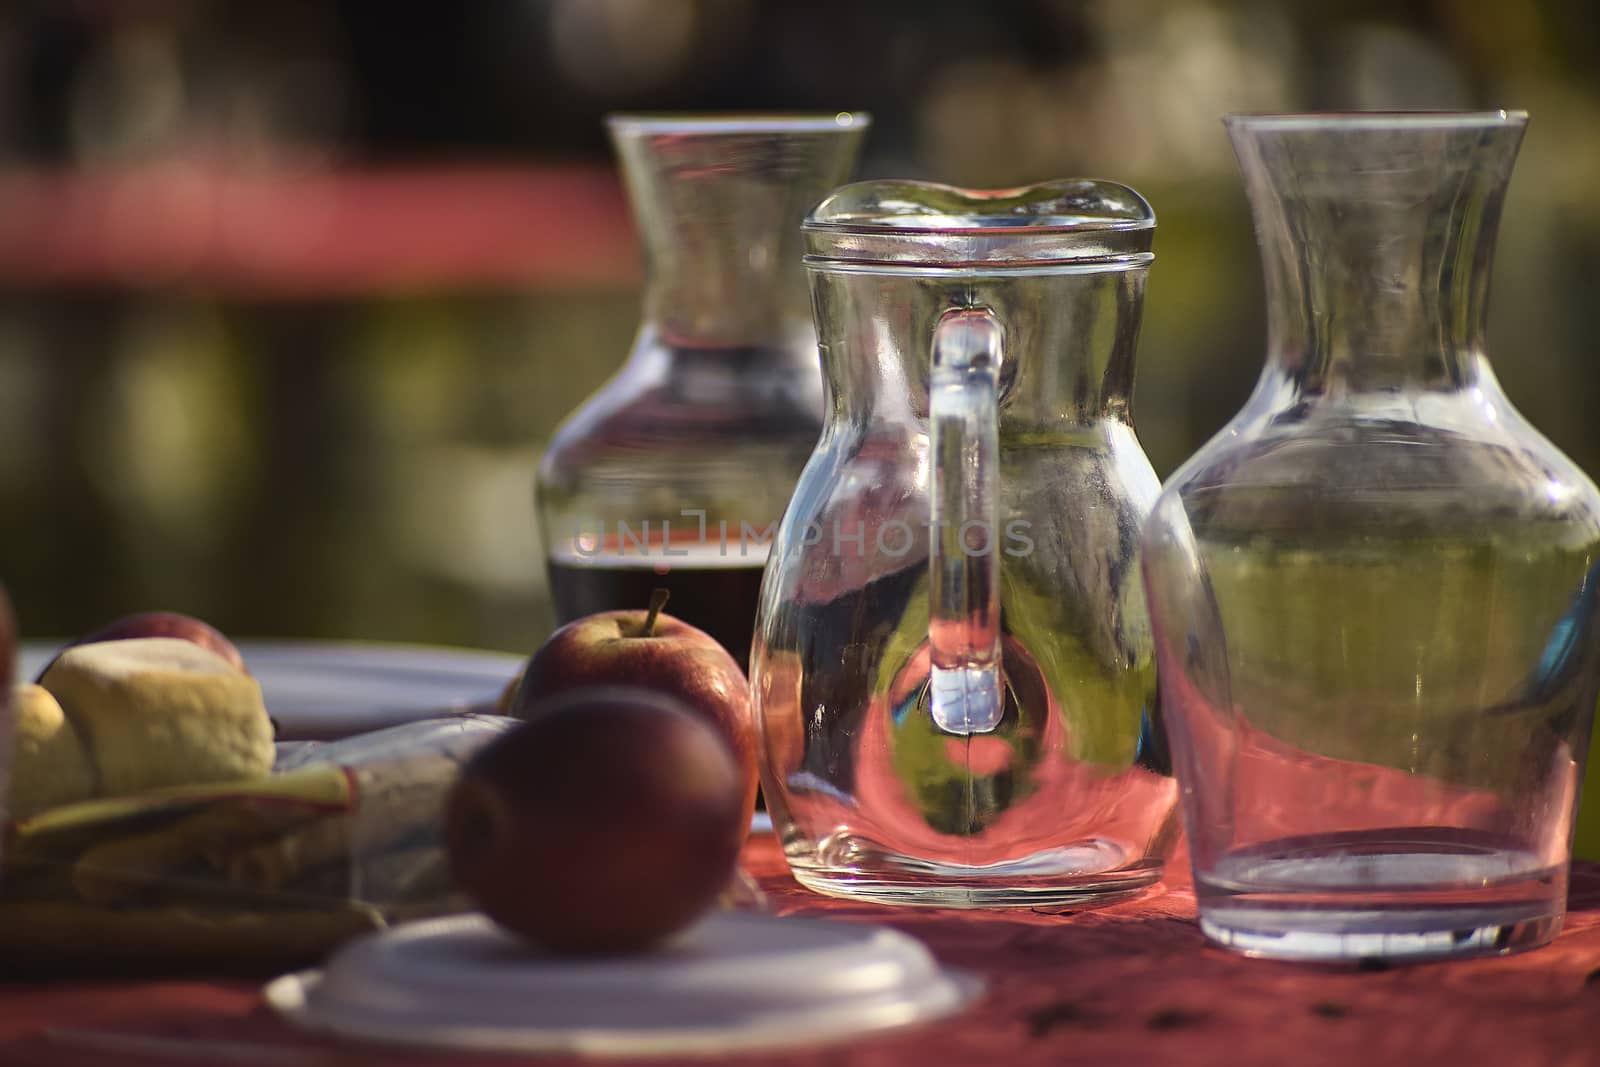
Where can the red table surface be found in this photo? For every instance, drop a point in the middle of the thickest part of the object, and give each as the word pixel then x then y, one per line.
pixel 1131 981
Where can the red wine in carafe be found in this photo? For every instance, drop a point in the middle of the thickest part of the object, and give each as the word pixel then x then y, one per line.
pixel 711 586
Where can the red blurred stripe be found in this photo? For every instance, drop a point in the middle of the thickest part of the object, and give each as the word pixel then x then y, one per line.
pixel 312 233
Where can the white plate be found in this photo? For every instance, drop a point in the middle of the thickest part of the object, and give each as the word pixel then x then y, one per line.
pixel 734 982
pixel 326 690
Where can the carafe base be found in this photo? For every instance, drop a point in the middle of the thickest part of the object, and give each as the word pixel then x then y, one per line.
pixel 1390 936
pixel 918 883
pixel 1380 897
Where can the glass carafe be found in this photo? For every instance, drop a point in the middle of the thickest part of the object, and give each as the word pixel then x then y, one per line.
pixel 1374 591
pixel 676 472
pixel 953 672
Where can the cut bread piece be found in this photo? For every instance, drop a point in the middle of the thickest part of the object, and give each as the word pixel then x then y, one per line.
pixel 160 711
pixel 49 764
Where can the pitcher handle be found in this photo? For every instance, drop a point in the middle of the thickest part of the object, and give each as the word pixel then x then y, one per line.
pixel 965 688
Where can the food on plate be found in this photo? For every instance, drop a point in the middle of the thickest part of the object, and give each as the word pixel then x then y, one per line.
pixel 608 821
pixel 651 650
pixel 151 700
pixel 49 765
pixel 161 711
pixel 252 876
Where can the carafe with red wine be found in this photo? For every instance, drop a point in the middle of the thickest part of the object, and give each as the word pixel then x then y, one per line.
pixel 675 473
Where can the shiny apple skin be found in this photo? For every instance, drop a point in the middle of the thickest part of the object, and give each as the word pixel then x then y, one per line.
pixel 162 624
pixel 170 624
pixel 678 659
pixel 608 821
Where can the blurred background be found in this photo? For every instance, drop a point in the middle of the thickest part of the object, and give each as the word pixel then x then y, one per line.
pixel 292 294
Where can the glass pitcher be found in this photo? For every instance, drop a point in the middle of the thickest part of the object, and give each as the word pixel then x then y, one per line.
pixel 675 473
pixel 953 673
pixel 1374 592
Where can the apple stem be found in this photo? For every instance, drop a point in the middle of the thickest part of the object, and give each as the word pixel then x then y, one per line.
pixel 658 600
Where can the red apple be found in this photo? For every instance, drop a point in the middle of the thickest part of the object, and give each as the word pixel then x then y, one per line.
pixel 655 651
pixel 608 821
pixel 164 624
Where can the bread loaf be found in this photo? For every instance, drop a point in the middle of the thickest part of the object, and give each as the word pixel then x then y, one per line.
pixel 49 765
pixel 160 711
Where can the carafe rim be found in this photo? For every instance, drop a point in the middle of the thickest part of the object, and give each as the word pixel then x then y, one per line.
pixel 711 122
pixel 932 225
pixel 1375 120
pixel 979 268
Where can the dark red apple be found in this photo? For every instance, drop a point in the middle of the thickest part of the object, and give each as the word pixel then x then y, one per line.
pixel 164 624
pixel 652 650
pixel 609 820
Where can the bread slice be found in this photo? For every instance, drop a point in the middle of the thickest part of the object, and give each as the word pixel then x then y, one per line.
pixel 49 764
pixel 160 711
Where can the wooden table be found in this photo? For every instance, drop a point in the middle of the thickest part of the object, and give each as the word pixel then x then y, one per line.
pixel 1135 981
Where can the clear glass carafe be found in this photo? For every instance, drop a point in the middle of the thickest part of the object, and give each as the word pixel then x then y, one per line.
pixel 953 672
pixel 676 472
pixel 1374 591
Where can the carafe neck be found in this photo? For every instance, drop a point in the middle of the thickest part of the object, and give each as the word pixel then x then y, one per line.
pixel 718 205
pixel 1056 270
pixel 1076 348
pixel 1067 338
pixel 1377 239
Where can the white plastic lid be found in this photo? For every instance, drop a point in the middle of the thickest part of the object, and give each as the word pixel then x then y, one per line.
pixel 735 981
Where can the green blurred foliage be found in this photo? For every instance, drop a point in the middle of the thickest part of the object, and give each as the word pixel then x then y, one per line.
pixel 360 467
